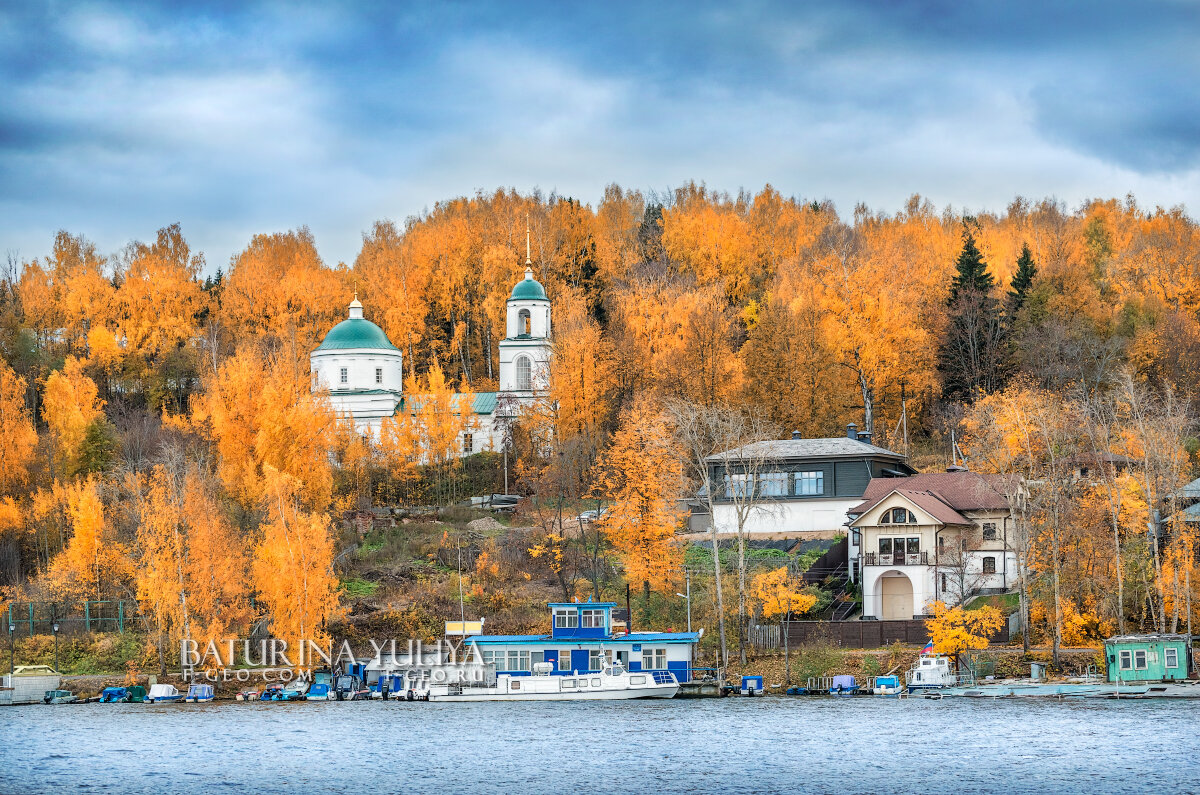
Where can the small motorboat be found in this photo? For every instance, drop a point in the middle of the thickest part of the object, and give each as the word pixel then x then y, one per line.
pixel 321 687
pixel 843 685
pixel 930 672
pixel 271 693
pixel 114 695
pixel 247 695
pixel 752 686
pixel 199 694
pixel 797 691
pixel 348 687
pixel 59 697
pixel 888 686
pixel 162 694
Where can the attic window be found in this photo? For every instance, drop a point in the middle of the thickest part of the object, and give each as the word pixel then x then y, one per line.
pixel 898 516
pixel 989 531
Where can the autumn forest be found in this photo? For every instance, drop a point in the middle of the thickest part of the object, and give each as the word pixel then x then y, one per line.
pixel 160 442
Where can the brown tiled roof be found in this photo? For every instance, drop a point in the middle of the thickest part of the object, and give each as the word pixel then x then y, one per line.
pixel 932 505
pixel 961 491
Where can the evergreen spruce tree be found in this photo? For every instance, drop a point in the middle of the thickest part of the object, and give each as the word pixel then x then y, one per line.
pixel 1022 280
pixel 972 270
pixel 971 358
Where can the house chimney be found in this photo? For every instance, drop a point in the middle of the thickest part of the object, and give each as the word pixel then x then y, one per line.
pixel 796 435
pixel 864 436
pixel 852 431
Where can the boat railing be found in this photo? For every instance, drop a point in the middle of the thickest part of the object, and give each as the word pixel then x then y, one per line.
pixel 819 684
pixel 663 677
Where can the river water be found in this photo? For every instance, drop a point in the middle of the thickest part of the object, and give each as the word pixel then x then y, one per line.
pixel 868 745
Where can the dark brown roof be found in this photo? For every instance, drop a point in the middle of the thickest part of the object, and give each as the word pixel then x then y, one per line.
pixel 961 491
pixel 932 505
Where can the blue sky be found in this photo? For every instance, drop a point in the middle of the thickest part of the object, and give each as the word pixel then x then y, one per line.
pixel 236 118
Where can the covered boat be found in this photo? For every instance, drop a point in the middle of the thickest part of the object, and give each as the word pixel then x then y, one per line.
pixel 843 685
pixel 163 693
pixel 114 695
pixel 752 686
pixel 612 683
pixel 198 694
pixel 887 686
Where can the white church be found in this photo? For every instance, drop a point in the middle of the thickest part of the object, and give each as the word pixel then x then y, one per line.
pixel 364 372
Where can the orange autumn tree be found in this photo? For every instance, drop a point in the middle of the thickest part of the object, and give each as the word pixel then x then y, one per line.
pixel 94 564
pixel 778 593
pixel 217 566
pixel 292 566
pixel 954 630
pixel 18 439
pixel 642 475
pixel 259 412
pixel 441 417
pixel 161 584
pixel 70 406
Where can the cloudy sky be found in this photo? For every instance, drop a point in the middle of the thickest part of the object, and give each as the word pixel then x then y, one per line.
pixel 236 118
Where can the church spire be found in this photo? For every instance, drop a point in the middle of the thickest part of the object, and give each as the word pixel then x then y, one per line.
pixel 528 261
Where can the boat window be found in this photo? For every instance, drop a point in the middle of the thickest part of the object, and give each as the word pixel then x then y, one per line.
pixel 1172 658
pixel 1139 660
pixel 593 619
pixel 564 659
pixel 583 683
pixel 568 684
pixel 514 684
pixel 566 618
pixel 637 680
pixel 595 683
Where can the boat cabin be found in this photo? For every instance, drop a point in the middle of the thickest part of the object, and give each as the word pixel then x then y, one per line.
pixel 930 671
pixel 583 639
pixel 1148 658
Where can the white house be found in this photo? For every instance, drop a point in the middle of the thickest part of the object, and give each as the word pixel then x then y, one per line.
pixel 804 487
pixel 364 374
pixel 934 537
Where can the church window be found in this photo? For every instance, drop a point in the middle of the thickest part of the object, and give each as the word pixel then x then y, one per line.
pixel 524 374
pixel 345 375
pixel 523 326
pixel 379 375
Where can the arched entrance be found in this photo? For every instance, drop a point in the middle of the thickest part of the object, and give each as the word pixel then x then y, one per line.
pixel 896 593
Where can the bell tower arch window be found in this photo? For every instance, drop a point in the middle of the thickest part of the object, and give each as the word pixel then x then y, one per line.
pixel 523 324
pixel 524 374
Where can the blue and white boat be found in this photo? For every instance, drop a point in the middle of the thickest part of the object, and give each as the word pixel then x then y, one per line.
pixel 752 686
pixel 199 694
pixel 843 685
pixel 887 686
pixel 163 693
pixel 930 672
pixel 612 683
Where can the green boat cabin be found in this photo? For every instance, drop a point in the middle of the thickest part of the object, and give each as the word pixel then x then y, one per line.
pixel 1148 658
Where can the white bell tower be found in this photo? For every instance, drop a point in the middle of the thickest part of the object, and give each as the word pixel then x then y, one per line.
pixel 525 351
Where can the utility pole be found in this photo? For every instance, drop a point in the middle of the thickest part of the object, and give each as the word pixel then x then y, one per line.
pixel 687 576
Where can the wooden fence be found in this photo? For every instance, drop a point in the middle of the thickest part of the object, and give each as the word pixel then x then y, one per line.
pixel 868 634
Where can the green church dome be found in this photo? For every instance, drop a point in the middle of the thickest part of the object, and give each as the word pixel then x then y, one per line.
pixel 529 289
pixel 356 333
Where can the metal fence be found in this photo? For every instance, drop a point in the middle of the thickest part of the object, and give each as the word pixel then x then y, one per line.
pixel 32 618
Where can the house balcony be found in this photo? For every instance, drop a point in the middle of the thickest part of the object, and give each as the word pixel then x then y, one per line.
pixel 896 559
